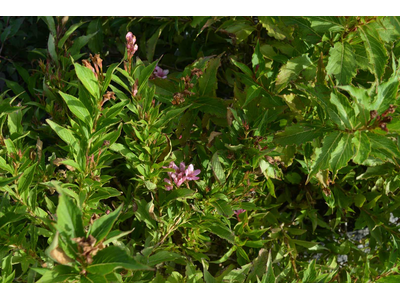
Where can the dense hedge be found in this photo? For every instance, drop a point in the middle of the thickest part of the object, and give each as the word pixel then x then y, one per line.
pixel 199 149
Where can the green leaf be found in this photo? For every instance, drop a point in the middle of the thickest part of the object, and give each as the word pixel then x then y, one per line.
pixel 217 169
pixel 376 51
pixel 50 24
pixel 79 43
pixel 102 226
pixel 223 208
pixel 345 111
pixel 259 265
pixel 245 69
pixel 270 276
pixel 65 134
pixel 70 162
pixel 387 94
pixel 220 230
pixel 291 70
pixel 226 256
pixel 214 106
pixel 96 27
pixel 389 279
pixel 152 42
pixel 276 29
pixel 4 166
pixel 18 90
pixel 305 244
pixel 252 92
pixel 88 79
pixel 77 108
pixel 208 82
pixel 7 180
pixel 145 75
pixel 240 28
pixel 112 258
pixel 115 235
pixel 59 273
pixel 396 23
pixel 342 154
pixel 10 217
pixel 52 49
pixel 362 147
pixel 342 62
pixel 69 217
pixel 169 115
pixel 324 154
pixel 359 200
pixel 271 187
pixel 26 178
pixel 143 214
pixel 298 134
pixel 385 144
pixel 310 274
pixel 326 24
pixel 15 124
pixel 321 95
pixel 107 79
pixel 376 171
pixel 180 193
pixel 163 256
pixel 10 146
pixel 68 33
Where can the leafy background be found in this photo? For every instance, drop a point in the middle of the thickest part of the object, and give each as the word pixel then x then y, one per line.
pixel 292 119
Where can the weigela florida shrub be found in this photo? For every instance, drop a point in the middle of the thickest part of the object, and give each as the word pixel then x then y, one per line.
pixel 254 149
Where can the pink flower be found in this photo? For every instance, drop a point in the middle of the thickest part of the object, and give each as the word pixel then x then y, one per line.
pixel 169 186
pixel 131 47
pixel 180 175
pixel 191 173
pixel 160 73
pixel 130 38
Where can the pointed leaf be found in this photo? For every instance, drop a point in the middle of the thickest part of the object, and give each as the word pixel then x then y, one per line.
pixel 291 70
pixel 26 179
pixel 345 111
pixel 342 154
pixel 342 62
pixel 324 154
pixel 65 134
pixel 217 169
pixel 298 134
pixel 69 217
pixel 86 76
pixel 362 147
pixel 208 82
pixel 102 226
pixel 111 258
pixel 376 51
pixel 77 108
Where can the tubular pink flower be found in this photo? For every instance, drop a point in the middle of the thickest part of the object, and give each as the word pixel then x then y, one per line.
pixel 180 175
pixel 160 73
pixel 131 47
pixel 191 174
pixel 169 186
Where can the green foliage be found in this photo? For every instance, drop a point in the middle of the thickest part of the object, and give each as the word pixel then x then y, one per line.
pixel 291 122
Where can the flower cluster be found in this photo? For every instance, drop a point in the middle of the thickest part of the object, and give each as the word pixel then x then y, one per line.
pixel 131 45
pixel 160 73
pixel 180 175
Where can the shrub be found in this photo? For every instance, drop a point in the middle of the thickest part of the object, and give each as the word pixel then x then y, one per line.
pixel 204 149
